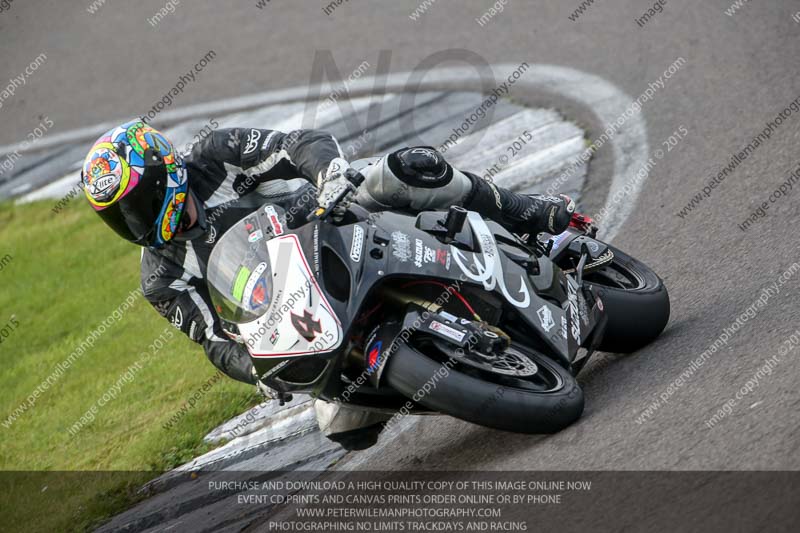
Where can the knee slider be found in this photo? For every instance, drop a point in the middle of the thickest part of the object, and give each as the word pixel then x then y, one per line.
pixel 420 166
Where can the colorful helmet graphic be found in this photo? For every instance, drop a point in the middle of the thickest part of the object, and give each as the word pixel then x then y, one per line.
pixel 136 182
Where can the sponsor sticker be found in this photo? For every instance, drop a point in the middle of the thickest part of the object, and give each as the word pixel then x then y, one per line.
pixel 275 369
pixel 401 246
pixel 103 187
pixel 584 311
pixel 315 239
pixel 418 247
pixel 423 254
pixel 256 236
pixel 487 245
pixel 252 281
pixel 374 355
pixel 274 220
pixel 274 337
pixel 443 258
pixel 572 296
pixel 447 331
pixel 546 318
pixel 357 246
pixel 259 294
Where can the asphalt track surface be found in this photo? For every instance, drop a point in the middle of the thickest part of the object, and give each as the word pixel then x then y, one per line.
pixel 740 72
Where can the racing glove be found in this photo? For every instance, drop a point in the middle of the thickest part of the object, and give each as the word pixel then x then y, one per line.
pixel 333 184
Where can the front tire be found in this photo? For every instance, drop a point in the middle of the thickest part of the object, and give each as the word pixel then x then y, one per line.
pixel 495 401
pixel 635 301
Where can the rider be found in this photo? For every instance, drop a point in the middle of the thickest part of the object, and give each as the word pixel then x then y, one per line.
pixel 176 206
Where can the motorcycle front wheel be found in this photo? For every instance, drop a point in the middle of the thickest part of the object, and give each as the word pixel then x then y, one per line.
pixel 525 393
pixel 635 300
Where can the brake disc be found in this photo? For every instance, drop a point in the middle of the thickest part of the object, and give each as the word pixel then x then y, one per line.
pixel 510 362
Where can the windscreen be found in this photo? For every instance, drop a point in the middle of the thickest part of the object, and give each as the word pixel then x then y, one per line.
pixel 239 271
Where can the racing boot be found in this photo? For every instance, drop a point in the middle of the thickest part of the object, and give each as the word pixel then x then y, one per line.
pixel 520 213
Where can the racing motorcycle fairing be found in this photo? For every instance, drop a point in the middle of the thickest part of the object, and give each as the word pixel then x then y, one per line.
pixel 298 320
pixel 484 255
pixel 254 280
pixel 296 296
pixel 267 287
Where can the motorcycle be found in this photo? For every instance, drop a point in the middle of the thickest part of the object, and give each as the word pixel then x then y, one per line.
pixel 431 312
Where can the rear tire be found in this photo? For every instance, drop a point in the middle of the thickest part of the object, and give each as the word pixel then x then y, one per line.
pixel 491 402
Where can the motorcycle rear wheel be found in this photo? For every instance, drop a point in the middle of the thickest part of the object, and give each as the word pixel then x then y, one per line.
pixel 546 402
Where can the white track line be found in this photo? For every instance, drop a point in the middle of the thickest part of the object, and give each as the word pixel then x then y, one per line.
pixel 606 101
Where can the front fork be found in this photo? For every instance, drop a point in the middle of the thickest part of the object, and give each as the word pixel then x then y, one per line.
pixel 585 224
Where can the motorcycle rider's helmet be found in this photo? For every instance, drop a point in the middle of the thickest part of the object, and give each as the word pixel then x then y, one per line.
pixel 136 181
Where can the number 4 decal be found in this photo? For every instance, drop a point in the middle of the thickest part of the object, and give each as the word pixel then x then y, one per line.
pixel 306 326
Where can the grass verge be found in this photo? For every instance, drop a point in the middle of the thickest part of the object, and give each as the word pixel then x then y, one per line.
pixel 66 274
